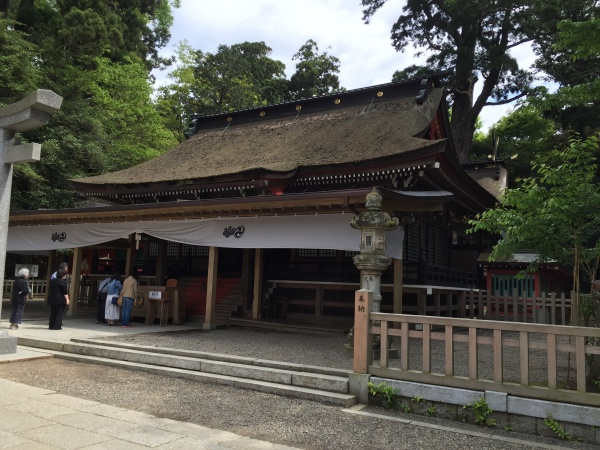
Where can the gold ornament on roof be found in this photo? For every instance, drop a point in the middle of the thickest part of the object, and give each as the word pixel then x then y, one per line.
pixel 298 107
pixel 380 94
pixel 262 114
pixel 229 119
pixel 337 101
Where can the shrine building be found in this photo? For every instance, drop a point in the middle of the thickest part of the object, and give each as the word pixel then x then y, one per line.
pixel 251 214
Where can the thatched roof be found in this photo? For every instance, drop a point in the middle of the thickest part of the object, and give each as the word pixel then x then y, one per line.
pixel 347 128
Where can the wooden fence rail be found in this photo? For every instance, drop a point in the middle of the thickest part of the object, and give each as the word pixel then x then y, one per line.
pixel 550 309
pixel 545 362
pixel 38 287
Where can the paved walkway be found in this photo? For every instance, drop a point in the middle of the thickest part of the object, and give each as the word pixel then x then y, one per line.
pixel 32 418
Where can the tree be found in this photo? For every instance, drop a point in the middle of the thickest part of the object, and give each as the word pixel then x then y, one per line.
pixel 474 40
pixel 316 74
pixel 18 73
pixel 555 212
pixel 238 77
pixel 521 135
pixel 97 56
pixel 235 77
pixel 98 28
pixel 575 105
pixel 175 101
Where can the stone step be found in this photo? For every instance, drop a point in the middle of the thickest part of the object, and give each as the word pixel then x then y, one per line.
pixel 219 357
pixel 321 379
pixel 226 375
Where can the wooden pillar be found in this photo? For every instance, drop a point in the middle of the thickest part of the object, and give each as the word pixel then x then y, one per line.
pixel 398 268
pixel 246 281
pixel 211 289
pixel 363 301
pixel 318 301
pixel 75 280
pixel 130 254
pixel 160 262
pixel 257 294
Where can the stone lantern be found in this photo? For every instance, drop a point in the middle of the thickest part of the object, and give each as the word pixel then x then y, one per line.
pixel 372 261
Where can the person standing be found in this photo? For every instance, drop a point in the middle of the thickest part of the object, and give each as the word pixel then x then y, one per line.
pixel 58 299
pixel 129 293
pixel 62 266
pixel 101 300
pixel 20 293
pixel 111 312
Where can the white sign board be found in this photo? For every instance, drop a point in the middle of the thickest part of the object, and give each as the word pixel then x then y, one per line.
pixel 154 294
pixel 33 269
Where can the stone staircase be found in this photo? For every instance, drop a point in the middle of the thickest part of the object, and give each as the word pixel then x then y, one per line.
pixel 322 384
pixel 229 304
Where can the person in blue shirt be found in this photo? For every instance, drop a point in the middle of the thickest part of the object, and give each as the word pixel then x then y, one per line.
pixel 101 300
pixel 111 311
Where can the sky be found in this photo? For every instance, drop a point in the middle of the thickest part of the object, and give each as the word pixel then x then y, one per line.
pixel 365 50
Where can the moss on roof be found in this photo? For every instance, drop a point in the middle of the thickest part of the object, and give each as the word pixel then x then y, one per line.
pixel 336 135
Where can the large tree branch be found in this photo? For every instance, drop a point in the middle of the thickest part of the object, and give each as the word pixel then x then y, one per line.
pixel 519 42
pixel 508 100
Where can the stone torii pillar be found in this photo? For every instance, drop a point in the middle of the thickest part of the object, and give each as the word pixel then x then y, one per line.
pixel 31 112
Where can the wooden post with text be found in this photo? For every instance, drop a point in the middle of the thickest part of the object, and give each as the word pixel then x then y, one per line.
pixel 363 301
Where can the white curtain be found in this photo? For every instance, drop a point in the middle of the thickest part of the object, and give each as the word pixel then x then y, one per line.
pixel 325 231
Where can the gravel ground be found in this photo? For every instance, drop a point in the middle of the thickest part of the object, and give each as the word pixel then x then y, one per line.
pixel 299 423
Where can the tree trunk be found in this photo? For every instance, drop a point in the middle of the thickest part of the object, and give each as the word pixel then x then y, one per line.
pixel 462 125
pixel 576 287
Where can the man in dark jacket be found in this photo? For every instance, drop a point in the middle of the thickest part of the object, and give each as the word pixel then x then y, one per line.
pixel 58 298
pixel 20 293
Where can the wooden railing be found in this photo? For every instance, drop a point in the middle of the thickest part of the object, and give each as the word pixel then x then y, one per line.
pixel 37 286
pixel 545 362
pixel 548 309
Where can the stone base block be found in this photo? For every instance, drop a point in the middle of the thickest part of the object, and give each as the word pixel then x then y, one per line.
pixel 8 344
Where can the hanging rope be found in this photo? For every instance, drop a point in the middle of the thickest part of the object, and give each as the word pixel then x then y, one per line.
pixel 366 110
pixel 229 120
pixel 299 109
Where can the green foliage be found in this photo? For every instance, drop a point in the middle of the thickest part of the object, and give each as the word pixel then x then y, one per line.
pixel 19 74
pixel 238 77
pixel 97 56
pixel 521 136
pixel 406 408
pixel 416 399
pixel 431 410
pixel 482 411
pixel 560 199
pixel 560 432
pixel 387 393
pixel 316 74
pixel 573 60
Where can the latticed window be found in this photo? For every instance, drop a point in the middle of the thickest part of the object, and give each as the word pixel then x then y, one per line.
pixel 193 250
pixel 171 248
pixel 316 253
pixel 350 253
pixel 153 248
